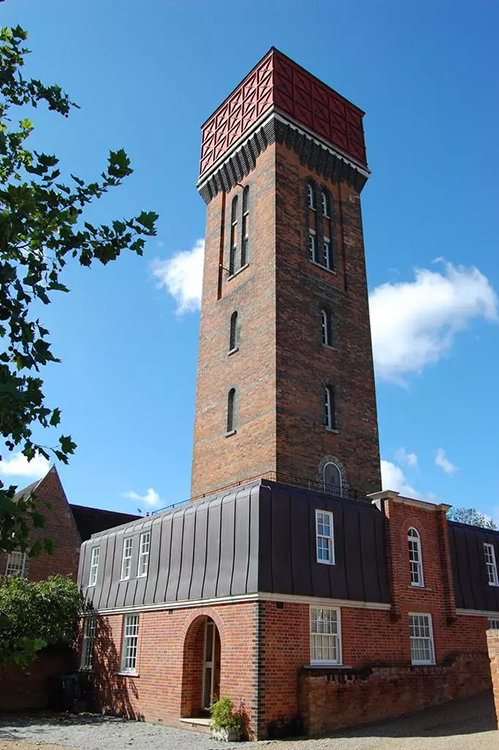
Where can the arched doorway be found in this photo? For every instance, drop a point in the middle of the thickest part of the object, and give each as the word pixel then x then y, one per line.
pixel 201 673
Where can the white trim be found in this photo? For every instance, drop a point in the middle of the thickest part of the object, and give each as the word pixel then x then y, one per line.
pixel 265 118
pixel 255 597
pixel 477 612
pixel 396 497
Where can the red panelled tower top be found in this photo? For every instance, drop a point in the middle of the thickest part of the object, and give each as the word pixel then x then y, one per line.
pixel 279 84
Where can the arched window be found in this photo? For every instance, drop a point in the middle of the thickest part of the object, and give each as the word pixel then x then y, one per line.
pixel 312 245
pixel 245 242
pixel 231 410
pixel 233 236
pixel 415 557
pixel 233 337
pixel 333 482
pixel 327 338
pixel 325 203
pixel 329 415
pixel 311 197
pixel 327 258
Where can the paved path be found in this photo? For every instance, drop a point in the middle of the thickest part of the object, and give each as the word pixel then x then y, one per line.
pixel 460 725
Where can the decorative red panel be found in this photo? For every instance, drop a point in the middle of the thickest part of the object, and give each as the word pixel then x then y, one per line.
pixel 279 83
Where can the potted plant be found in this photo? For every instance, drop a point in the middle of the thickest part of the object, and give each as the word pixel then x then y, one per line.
pixel 225 724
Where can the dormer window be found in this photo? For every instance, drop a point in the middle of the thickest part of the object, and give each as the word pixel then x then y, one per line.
pixel 490 564
pixel 145 543
pixel 94 566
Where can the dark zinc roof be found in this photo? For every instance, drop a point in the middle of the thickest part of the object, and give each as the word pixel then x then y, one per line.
pixel 93 520
pixel 255 538
pixel 471 586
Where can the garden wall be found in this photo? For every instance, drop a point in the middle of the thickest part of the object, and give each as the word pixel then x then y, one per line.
pixel 28 688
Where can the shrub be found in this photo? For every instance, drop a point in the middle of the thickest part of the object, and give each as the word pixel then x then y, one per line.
pixel 223 716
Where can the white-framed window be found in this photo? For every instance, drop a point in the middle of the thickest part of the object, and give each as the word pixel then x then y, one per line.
pixel 312 245
pixel 310 196
pixel 326 254
pixel 145 543
pixel 329 415
pixel 16 563
pixel 245 242
pixel 324 532
pixel 415 557
pixel 494 623
pixel 325 204
pixel 126 562
pixel 490 564
pixel 325 636
pixel 94 566
pixel 421 635
pixel 326 327
pixel 87 646
pixel 233 236
pixel 130 641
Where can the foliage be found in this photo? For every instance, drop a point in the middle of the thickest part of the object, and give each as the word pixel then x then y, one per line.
pixel 223 716
pixel 41 230
pixel 36 614
pixel 471 516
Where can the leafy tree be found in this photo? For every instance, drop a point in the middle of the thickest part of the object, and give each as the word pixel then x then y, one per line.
pixel 42 229
pixel 471 516
pixel 36 614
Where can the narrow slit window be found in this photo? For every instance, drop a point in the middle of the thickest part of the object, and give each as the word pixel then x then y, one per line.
pixel 327 258
pixel 415 558
pixel 233 237
pixel 126 563
pixel 325 636
pixel 490 564
pixel 145 544
pixel 310 196
pixel 245 240
pixel 87 648
pixel 94 566
pixel 312 245
pixel 325 204
pixel 16 564
pixel 326 327
pixel 324 536
pixel 421 635
pixel 233 335
pixel 130 642
pixel 329 415
pixel 231 407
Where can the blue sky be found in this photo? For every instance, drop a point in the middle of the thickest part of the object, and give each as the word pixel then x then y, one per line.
pixel 146 77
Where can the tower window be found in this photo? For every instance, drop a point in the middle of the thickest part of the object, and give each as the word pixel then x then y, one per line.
pixel 245 242
pixel 231 410
pixel 333 482
pixel 325 204
pixel 415 558
pixel 329 411
pixel 327 260
pixel 233 236
pixel 312 245
pixel 233 337
pixel 311 197
pixel 326 327
pixel 490 564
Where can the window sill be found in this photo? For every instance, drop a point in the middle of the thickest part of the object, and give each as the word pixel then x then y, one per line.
pixel 332 429
pixel 423 664
pixel 236 273
pixel 232 351
pixel 127 674
pixel 325 665
pixel 495 585
pixel 324 268
pixel 325 562
pixel 86 670
pixel 330 346
pixel 229 434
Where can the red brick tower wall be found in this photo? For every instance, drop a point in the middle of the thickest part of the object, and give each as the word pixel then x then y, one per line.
pixel 304 365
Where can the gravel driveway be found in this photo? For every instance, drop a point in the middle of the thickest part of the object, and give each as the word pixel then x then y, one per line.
pixel 460 725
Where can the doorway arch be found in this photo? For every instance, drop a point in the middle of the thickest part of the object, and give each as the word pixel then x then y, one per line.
pixel 201 667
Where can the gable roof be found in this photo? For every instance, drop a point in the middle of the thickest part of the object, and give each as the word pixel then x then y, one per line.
pixel 92 520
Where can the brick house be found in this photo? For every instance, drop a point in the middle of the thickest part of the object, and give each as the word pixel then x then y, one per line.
pixel 68 525
pixel 300 589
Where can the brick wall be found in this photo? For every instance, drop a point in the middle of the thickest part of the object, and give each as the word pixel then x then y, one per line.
pixel 493 648
pixel 29 688
pixel 60 526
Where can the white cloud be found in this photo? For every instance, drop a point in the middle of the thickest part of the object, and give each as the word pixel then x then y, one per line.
pixel 414 323
pixel 17 465
pixel 182 277
pixel 444 463
pixel 393 478
pixel 410 459
pixel 151 498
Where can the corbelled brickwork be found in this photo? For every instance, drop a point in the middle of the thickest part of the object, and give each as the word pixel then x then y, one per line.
pixel 493 646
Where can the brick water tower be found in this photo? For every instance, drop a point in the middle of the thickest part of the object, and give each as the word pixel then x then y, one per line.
pixel 285 385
